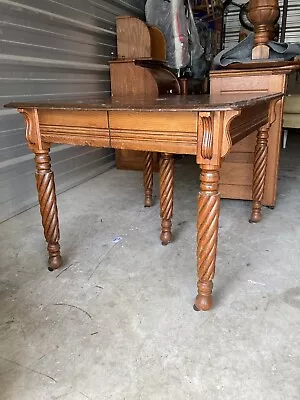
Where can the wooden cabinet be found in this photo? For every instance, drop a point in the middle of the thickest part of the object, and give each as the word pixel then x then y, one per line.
pixel 237 169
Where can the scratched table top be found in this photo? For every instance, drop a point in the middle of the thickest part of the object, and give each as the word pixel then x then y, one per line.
pixel 206 103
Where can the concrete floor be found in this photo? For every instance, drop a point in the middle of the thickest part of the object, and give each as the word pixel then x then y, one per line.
pixel 118 322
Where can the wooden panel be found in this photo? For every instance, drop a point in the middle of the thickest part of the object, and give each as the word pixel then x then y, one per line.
pixel 239 85
pixel 239 157
pixel 275 133
pixel 236 173
pixel 60 126
pixel 158 44
pixel 246 145
pixel 236 192
pixel 165 132
pixel 134 160
pixel 248 122
pixel 133 38
pixel 154 141
pixel 129 79
pixel 66 117
pixel 158 122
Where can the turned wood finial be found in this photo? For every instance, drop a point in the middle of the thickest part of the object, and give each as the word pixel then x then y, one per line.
pixel 263 14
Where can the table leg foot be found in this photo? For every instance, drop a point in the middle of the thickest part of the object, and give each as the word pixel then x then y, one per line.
pixel 166 234
pixel 55 259
pixel 148 201
pixel 204 300
pixel 256 212
pixel 166 168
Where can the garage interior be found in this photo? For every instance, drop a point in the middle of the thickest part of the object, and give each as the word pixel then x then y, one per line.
pixel 116 322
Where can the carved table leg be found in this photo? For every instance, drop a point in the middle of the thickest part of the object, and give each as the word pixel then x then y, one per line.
pixel 166 169
pixel 148 178
pixel 259 172
pixel 47 199
pixel 207 235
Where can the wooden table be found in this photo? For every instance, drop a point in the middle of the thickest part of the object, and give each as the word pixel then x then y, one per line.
pixel 205 126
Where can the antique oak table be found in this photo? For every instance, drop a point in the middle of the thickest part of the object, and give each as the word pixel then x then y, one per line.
pixel 205 126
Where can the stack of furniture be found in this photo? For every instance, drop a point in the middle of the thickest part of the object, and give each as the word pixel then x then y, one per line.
pixel 260 76
pixel 140 71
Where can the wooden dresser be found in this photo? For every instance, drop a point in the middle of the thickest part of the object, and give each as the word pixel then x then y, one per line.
pixel 237 168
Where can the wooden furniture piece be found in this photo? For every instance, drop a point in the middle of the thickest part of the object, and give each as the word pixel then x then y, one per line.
pixel 137 40
pixel 263 14
pixel 236 171
pixel 259 76
pixel 262 77
pixel 205 126
pixel 140 70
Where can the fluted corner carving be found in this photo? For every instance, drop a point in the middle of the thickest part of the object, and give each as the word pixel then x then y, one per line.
pixel 48 206
pixel 28 117
pixel 148 178
pixel 32 130
pixel 207 138
pixel 166 167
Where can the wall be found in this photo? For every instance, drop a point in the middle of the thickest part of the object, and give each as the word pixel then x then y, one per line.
pixel 52 49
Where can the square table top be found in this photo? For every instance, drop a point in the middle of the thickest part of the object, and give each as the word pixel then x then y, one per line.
pixel 204 103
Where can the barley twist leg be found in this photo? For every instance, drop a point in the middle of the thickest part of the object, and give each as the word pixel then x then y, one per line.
pixel 207 236
pixel 166 168
pixel 259 173
pixel 47 199
pixel 148 178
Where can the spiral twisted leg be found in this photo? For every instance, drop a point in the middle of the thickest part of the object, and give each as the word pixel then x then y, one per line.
pixel 148 178
pixel 47 199
pixel 207 236
pixel 259 173
pixel 166 168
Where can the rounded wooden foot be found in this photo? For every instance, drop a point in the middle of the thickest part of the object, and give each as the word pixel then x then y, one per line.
pixel 166 235
pixel 148 201
pixel 54 263
pixel 204 300
pixel 255 218
pixel 55 259
pixel 256 212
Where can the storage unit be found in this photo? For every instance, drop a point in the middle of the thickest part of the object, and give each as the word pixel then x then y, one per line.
pixel 53 50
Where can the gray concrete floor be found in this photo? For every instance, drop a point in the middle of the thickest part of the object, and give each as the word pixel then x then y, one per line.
pixel 118 322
